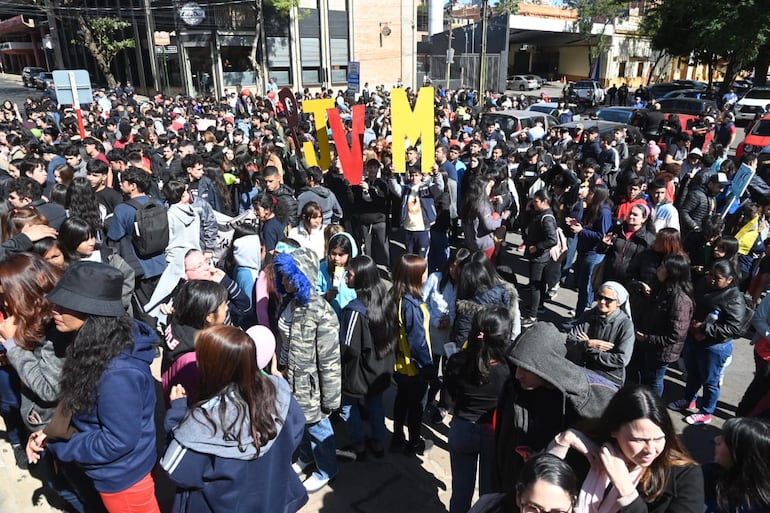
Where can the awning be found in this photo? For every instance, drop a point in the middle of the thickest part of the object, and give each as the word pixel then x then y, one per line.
pixel 15 25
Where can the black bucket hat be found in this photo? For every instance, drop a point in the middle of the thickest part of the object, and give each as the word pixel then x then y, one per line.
pixel 91 288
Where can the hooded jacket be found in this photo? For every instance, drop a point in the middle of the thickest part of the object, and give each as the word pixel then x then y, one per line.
pixel 332 211
pixel 246 252
pixel 363 372
pixel 326 278
pixel 313 365
pixel 666 317
pixel 527 420
pixel 217 474
pixel 285 196
pixel 698 204
pixel 184 228
pixel 503 294
pixel 115 443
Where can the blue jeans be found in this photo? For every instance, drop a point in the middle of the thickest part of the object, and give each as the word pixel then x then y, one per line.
pixel 704 365
pixel 318 444
pixel 10 403
pixel 470 443
pixel 569 260
pixel 584 268
pixel 351 414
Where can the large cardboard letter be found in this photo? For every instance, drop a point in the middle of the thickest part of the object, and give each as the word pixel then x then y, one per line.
pixel 351 157
pixel 318 107
pixel 413 125
pixel 291 110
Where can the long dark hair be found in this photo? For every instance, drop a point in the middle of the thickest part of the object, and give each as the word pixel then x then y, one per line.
pixel 227 361
pixel 745 484
pixel 407 280
pixel 474 279
pixel 490 333
pixel 195 300
pixel 474 197
pixel 96 344
pixel 81 202
pixel 677 274
pixel 600 198
pixel 73 232
pixel 381 308
pixel 634 402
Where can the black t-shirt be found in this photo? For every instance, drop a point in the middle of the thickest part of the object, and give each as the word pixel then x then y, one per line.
pixel 272 232
pixel 110 198
pixel 474 403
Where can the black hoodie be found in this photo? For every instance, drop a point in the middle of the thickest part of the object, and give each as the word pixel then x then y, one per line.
pixel 527 420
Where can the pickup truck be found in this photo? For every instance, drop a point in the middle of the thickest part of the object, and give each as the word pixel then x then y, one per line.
pixel 589 91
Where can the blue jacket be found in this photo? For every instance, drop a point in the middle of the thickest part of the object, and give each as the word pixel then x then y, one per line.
pixel 429 193
pixel 121 231
pixel 115 443
pixel 214 474
pixel 590 236
pixel 326 280
pixel 414 354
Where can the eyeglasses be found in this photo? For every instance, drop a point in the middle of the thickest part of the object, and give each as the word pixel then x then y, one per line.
pixel 531 507
pixel 605 299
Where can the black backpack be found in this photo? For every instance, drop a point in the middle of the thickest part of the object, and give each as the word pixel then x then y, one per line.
pixel 150 236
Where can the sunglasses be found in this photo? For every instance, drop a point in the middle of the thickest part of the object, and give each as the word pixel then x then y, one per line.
pixel 605 299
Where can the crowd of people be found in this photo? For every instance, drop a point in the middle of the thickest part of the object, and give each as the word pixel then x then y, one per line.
pixel 284 302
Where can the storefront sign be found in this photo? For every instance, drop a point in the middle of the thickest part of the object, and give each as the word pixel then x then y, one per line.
pixel 192 14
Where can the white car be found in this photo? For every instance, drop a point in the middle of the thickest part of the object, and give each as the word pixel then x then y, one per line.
pixel 589 91
pixel 754 101
pixel 521 82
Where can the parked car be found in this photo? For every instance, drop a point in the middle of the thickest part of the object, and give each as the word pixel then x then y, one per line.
pixel 691 106
pixel 536 79
pixel 658 91
pixel 41 80
pixel 741 87
pixel 589 91
pixel 605 127
pixel 521 82
pixel 698 94
pixel 616 114
pixel 754 101
pixel 28 75
pixel 757 139
pixel 551 109
pixel 511 121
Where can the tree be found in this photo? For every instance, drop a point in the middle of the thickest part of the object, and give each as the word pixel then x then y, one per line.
pixel 99 38
pixel 591 14
pixel 506 7
pixel 710 30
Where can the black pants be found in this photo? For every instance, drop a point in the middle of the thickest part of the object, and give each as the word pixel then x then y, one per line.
pixel 542 274
pixel 367 235
pixel 408 407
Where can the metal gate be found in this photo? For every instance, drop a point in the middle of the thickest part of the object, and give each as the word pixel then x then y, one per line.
pixel 465 71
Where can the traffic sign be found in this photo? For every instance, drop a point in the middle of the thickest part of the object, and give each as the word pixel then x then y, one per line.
pixel 354 76
pixel 72 86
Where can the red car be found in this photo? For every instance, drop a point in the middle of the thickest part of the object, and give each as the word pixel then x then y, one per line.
pixel 756 139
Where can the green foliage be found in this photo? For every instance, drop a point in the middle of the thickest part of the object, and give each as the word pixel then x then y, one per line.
pixel 591 13
pixel 102 32
pixel 284 7
pixel 710 29
pixel 507 7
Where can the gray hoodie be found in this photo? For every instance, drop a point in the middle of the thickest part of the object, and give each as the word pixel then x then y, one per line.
pixel 332 211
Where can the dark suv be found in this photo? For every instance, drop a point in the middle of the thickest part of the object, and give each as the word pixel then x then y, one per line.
pixel 28 75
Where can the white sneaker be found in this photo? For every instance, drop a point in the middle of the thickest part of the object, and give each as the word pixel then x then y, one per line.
pixel 299 466
pixel 314 483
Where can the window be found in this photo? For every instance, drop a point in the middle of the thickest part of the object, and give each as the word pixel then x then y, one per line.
pixel 622 69
pixel 310 47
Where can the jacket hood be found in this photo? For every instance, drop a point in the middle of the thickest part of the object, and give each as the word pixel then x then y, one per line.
pixel 354 251
pixel 502 294
pixel 301 268
pixel 195 431
pixel 144 340
pixel 246 251
pixel 321 191
pixel 283 190
pixel 541 350
pixel 183 213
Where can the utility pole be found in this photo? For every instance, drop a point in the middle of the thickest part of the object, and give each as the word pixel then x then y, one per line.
pixel 483 70
pixel 450 55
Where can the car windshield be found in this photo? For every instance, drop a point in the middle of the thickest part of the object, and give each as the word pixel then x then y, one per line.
pixel 762 129
pixel 614 115
pixel 759 94
pixel 584 84
pixel 541 108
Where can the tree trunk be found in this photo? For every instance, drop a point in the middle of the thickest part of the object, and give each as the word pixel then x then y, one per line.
pixel 761 65
pixel 99 57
